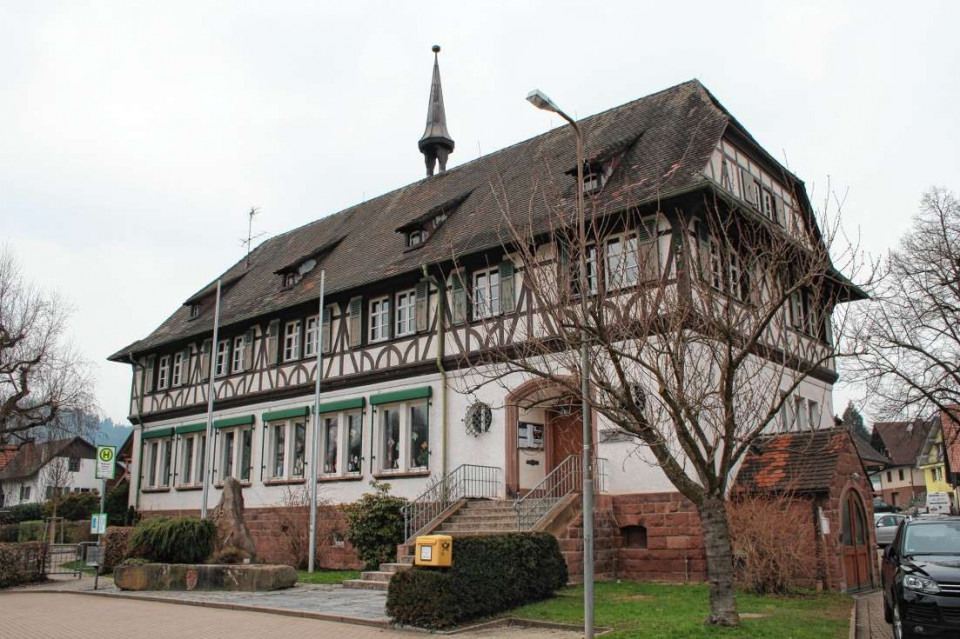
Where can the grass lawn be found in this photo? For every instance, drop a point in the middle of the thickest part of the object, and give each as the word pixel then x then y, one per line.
pixel 666 611
pixel 326 576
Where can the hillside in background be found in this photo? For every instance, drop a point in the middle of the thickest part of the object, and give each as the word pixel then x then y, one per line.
pixel 112 434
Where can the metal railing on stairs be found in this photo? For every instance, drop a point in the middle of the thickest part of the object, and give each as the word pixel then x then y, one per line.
pixel 467 481
pixel 563 480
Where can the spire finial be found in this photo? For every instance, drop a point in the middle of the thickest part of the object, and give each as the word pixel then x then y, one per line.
pixel 436 143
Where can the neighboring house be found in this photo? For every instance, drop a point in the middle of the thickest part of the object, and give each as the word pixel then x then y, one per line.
pixel 26 477
pixel 901 482
pixel 932 462
pixel 873 460
pixel 827 477
pixel 402 325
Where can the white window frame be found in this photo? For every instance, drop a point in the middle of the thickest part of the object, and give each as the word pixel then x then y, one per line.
pixel 289 429
pixel 341 423
pixel 187 460
pixel 291 341
pixel 222 368
pixel 159 457
pixel 163 372
pixel 176 375
pixel 404 459
pixel 406 305
pixel 310 336
pixel 236 457
pixel 379 319
pixel 486 293
pixel 239 352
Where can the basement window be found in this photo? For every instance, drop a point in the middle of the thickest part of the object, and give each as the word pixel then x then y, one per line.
pixel 633 536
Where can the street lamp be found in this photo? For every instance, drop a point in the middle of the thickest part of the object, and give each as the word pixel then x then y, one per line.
pixel 540 100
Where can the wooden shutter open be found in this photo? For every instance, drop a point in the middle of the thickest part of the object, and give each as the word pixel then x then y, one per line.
pixel 205 351
pixel 185 366
pixel 148 366
pixel 325 334
pixel 355 324
pixel 248 339
pixel 423 309
pixel 273 342
pixel 749 191
pixel 508 299
pixel 458 306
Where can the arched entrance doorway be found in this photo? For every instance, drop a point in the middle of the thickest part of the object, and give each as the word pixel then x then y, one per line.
pixel 855 537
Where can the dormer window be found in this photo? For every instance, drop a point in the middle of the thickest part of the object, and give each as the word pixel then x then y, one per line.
pixel 194 311
pixel 416 238
pixel 289 279
pixel 592 180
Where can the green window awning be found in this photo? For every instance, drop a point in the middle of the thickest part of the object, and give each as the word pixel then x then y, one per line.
pixel 401 395
pixel 191 428
pixel 287 413
pixel 343 404
pixel 160 432
pixel 243 420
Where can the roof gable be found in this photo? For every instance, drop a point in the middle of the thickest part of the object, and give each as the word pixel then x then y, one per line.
pixel 32 456
pixel 902 441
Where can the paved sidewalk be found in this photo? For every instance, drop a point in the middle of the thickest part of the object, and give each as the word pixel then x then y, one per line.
pixel 34 615
pixel 870 623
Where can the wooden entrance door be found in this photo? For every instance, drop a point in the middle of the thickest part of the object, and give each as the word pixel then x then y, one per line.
pixel 856 543
pixel 566 436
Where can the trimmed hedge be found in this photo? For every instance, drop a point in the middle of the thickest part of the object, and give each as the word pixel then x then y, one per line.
pixel 31 531
pixel 21 563
pixel 9 533
pixel 179 540
pixel 74 506
pixel 489 575
pixel 24 512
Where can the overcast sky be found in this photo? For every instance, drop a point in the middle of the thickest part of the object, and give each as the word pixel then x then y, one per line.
pixel 134 136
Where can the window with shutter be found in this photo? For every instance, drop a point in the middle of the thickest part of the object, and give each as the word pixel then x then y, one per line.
pixel 248 339
pixel 508 301
pixel 751 189
pixel 355 323
pixel 458 299
pixel 205 352
pixel 423 311
pixel 148 366
pixel 326 331
pixel 273 332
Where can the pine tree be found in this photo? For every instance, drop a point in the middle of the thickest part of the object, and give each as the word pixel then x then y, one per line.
pixel 853 420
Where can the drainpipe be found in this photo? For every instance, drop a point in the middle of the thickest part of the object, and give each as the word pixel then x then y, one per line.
pixel 441 291
pixel 136 405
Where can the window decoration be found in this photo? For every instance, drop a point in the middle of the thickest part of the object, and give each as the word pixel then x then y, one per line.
pixel 478 419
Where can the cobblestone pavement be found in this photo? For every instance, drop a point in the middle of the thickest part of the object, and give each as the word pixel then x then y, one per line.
pixel 870 623
pixel 33 615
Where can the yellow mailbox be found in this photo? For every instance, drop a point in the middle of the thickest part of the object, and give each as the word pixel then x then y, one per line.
pixel 434 550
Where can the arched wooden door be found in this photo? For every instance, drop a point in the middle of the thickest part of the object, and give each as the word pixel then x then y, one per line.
pixel 855 537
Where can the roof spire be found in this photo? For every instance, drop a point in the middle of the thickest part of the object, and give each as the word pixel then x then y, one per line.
pixel 436 143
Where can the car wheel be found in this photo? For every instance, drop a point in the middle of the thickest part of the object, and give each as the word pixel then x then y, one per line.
pixel 899 630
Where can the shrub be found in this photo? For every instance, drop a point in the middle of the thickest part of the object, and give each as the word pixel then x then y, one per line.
pixel 74 506
pixel 229 555
pixel 489 575
pixel 30 531
pixel 21 563
pixel 119 512
pixel 773 545
pixel 180 540
pixel 115 548
pixel 375 525
pixel 25 512
pixel 9 533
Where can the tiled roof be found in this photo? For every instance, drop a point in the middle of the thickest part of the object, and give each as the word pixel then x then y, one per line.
pixel 902 441
pixel 32 456
pixel 868 454
pixel 801 462
pixel 671 135
pixel 6 454
pixel 951 436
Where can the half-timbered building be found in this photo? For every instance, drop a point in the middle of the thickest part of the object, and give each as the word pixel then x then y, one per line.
pixel 415 279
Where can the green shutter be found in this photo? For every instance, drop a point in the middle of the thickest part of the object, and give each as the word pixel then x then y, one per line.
pixel 300 411
pixel 243 420
pixel 160 432
pixel 401 396
pixel 191 428
pixel 508 300
pixel 423 314
pixel 458 303
pixel 343 404
pixel 355 325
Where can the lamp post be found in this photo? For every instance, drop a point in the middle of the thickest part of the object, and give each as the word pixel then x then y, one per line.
pixel 540 100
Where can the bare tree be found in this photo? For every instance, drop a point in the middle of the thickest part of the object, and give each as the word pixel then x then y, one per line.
pixel 57 477
pixel 44 382
pixel 910 332
pixel 701 319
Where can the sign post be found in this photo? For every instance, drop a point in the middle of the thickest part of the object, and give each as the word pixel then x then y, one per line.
pixel 106 470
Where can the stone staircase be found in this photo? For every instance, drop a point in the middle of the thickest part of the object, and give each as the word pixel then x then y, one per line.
pixel 474 518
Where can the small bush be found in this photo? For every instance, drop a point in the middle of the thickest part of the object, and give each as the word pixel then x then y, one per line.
pixel 9 533
pixel 375 525
pixel 115 548
pixel 74 506
pixel 31 531
pixel 26 512
pixel 229 555
pixel 119 512
pixel 180 540
pixel 135 561
pixel 21 563
pixel 489 575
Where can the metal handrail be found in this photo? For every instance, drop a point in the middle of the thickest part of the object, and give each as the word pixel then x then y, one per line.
pixel 467 481
pixel 563 480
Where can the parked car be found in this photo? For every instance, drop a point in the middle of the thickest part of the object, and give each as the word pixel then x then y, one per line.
pixel 886 527
pixel 920 575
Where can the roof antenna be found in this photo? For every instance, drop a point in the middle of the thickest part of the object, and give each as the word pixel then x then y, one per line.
pixel 254 211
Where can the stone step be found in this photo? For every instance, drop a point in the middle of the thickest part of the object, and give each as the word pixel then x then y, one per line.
pixel 476 533
pixel 489 505
pixel 472 516
pixel 365 584
pixel 396 567
pixel 375 575
pixel 480 525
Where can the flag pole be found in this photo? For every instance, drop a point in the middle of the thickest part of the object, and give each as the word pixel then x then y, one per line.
pixel 208 453
pixel 315 431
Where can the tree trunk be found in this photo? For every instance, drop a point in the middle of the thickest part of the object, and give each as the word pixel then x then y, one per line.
pixel 719 550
